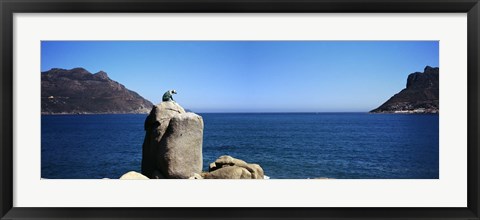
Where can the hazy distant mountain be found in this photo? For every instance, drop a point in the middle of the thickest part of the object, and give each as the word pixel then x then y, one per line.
pixel 78 91
pixel 420 95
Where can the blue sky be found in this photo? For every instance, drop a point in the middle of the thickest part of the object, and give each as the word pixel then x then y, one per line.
pixel 253 76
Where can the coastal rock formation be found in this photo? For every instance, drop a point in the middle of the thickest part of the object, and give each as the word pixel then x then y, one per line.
pixel 227 167
pixel 420 96
pixel 173 141
pixel 77 91
pixel 132 175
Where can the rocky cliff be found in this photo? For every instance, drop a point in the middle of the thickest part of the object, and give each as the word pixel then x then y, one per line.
pixel 421 94
pixel 78 91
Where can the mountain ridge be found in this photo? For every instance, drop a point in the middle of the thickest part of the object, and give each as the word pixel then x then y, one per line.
pixel 421 94
pixel 77 91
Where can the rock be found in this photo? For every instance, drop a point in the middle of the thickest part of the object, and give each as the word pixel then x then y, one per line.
pixel 230 172
pixel 212 166
pixel 155 126
pixel 256 172
pixel 180 152
pixel 225 160
pixel 132 175
pixel 159 118
pixel 173 142
pixel 421 94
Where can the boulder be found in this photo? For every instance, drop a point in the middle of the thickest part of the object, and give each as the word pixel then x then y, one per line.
pixel 180 149
pixel 226 161
pixel 230 172
pixel 256 172
pixel 172 147
pixel 155 126
pixel 132 175
pixel 158 119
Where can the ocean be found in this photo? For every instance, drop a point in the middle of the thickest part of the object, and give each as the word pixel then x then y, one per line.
pixel 285 145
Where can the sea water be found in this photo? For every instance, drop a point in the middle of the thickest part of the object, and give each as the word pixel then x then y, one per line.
pixel 285 145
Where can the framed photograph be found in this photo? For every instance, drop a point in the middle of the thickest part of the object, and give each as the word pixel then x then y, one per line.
pixel 232 109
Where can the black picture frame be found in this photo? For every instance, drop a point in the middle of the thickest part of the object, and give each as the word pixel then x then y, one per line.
pixel 9 7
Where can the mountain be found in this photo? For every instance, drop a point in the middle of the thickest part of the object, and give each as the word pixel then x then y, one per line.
pixel 78 91
pixel 420 95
